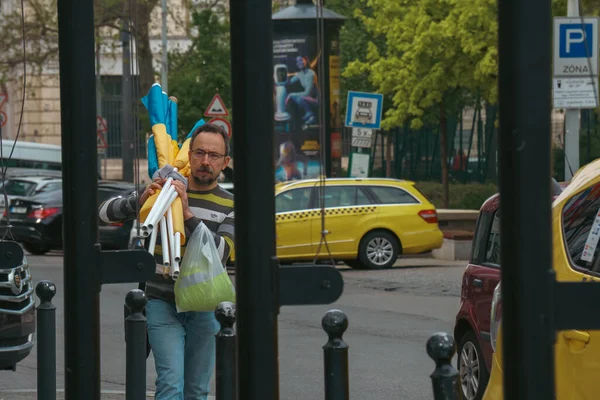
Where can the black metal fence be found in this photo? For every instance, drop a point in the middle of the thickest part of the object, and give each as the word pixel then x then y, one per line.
pixel 472 147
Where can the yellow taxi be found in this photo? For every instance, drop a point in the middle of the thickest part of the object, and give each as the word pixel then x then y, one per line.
pixel 369 222
pixel 575 227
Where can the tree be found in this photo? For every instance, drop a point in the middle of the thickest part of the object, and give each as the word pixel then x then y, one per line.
pixel 438 54
pixel 354 39
pixel 41 34
pixel 202 70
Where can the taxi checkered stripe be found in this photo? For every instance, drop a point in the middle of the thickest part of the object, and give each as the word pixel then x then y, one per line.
pixel 294 215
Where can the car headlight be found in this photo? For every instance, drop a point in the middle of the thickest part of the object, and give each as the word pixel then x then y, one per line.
pixel 496 315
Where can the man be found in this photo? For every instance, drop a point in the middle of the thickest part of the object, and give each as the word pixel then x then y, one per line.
pixel 307 99
pixel 184 343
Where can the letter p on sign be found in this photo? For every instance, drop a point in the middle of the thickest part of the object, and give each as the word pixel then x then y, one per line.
pixel 576 40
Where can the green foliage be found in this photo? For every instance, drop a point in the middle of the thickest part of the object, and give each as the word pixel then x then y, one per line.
pixel 433 49
pixel 203 70
pixel 354 41
pixel 469 196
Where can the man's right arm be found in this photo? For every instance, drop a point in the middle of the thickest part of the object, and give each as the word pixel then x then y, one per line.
pixel 118 209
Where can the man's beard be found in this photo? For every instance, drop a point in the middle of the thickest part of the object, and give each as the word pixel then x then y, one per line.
pixel 205 181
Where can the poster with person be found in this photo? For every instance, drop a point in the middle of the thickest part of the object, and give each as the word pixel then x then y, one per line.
pixel 296 91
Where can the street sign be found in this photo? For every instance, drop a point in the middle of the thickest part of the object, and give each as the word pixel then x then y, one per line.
pixel 575 46
pixel 216 108
pixel 223 123
pixel 101 142
pixel 363 110
pixel 359 165
pixel 362 137
pixel 575 92
pixel 101 130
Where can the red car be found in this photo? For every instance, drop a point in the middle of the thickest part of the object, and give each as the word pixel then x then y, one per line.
pixel 472 327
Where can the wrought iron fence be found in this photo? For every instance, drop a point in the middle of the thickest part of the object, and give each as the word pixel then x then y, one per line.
pixel 472 147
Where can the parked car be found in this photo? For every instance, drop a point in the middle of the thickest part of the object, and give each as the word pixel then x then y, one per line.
pixel 17 312
pixel 26 186
pixel 576 258
pixel 369 221
pixel 37 220
pixel 472 327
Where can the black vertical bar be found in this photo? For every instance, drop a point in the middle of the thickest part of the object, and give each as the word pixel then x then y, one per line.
pixel 254 177
pixel 78 123
pixel 225 363
pixel 46 347
pixel 525 34
pixel 127 140
pixel 444 379
pixel 135 331
pixel 335 356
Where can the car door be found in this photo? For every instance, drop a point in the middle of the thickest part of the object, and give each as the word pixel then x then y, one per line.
pixel 482 275
pixel 346 217
pixel 294 213
pixel 576 230
pixel 487 276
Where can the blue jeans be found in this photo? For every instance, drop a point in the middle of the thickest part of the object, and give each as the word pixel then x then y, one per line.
pixel 184 350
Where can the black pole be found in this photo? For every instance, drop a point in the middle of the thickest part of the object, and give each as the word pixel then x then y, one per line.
pixel 135 330
pixel 127 105
pixel 335 356
pixel 46 337
pixel 525 62
pixel 225 366
pixel 254 177
pixel 79 171
pixel 441 348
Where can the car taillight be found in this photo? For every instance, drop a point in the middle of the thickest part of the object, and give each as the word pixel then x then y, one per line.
pixel 116 224
pixel 42 213
pixel 495 315
pixel 429 216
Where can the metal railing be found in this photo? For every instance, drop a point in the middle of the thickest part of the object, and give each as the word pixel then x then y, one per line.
pixel 440 347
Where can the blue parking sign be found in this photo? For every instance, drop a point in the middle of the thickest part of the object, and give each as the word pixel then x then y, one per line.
pixel 576 40
pixel 575 47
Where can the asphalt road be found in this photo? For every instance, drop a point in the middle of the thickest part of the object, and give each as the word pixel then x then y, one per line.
pixel 391 315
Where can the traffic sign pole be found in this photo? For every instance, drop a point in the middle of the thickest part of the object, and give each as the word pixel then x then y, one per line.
pixel 572 123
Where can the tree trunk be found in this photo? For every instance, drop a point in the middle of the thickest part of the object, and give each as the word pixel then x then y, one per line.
pixel 144 53
pixel 444 155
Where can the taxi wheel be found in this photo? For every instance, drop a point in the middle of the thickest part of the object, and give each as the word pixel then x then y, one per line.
pixel 473 373
pixel 378 250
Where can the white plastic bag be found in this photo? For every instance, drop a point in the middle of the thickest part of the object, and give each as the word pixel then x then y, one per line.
pixel 203 281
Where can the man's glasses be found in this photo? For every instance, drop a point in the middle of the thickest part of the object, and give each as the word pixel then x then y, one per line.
pixel 199 154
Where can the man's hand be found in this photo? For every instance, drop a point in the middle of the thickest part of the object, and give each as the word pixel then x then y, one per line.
pixel 151 189
pixel 182 193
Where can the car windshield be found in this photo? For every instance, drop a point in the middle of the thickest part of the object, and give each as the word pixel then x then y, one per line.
pixel 17 187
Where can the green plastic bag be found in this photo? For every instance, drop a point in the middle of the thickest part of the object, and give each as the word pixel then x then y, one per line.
pixel 203 282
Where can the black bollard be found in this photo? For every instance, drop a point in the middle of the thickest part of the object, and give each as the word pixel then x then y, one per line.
pixel 441 348
pixel 135 325
pixel 335 352
pixel 46 338
pixel 225 373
